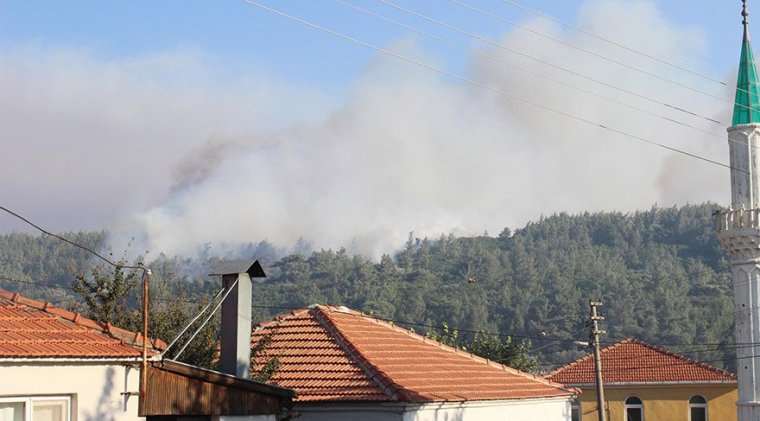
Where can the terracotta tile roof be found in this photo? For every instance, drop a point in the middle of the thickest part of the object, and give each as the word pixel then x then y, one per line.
pixel 336 354
pixel 35 329
pixel 634 361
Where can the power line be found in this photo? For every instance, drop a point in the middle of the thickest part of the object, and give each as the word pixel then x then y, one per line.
pixel 546 63
pixel 400 322
pixel 37 284
pixel 615 43
pixel 488 333
pixel 523 69
pixel 252 306
pixel 487 87
pixel 189 324
pixel 211 314
pixel 555 342
pixel 601 56
pixel 552 341
pixel 727 348
pixel 268 307
pixel 691 361
pixel 65 240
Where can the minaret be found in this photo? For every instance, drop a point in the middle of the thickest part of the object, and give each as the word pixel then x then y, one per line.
pixel 739 228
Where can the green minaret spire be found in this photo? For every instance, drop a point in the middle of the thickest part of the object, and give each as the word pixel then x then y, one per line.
pixel 747 104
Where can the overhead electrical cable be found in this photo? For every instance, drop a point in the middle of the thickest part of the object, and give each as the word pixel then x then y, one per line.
pixel 490 88
pixel 620 358
pixel 211 314
pixel 547 63
pixel 408 323
pixel 557 341
pixel 615 43
pixel 551 340
pixel 191 322
pixel 692 361
pixel 37 284
pixel 595 54
pixel 535 73
pixel 66 240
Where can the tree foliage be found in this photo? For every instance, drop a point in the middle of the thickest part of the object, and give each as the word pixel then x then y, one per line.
pixel 114 295
pixel 502 349
pixel 660 272
pixel 106 292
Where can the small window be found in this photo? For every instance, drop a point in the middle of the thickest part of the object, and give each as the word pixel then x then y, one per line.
pixel 575 410
pixel 634 409
pixel 12 411
pixel 697 408
pixel 35 408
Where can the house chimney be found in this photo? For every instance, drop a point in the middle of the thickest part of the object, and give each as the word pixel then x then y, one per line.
pixel 236 315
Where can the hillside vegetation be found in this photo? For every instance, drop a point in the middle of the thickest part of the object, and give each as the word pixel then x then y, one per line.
pixel 660 273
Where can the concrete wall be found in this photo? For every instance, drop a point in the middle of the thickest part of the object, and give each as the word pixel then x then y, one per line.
pixel 94 388
pixel 663 403
pixel 518 410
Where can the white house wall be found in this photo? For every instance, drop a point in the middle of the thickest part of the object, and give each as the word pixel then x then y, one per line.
pixel 517 410
pixel 95 388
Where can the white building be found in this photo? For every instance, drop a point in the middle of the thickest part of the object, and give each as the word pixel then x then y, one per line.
pixel 56 365
pixel 346 365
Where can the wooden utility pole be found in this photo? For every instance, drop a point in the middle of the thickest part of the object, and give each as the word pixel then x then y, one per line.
pixel 594 339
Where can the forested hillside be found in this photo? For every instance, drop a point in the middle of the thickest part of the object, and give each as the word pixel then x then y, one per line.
pixel 660 273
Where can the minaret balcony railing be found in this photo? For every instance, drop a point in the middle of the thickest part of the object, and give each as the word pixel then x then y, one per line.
pixel 737 219
pixel 739 233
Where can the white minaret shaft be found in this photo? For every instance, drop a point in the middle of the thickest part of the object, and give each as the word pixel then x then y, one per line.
pixel 739 229
pixel 745 162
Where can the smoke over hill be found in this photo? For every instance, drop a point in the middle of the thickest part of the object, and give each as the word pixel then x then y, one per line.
pixel 177 152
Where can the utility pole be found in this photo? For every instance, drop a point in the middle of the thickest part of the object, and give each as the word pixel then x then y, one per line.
pixel 594 340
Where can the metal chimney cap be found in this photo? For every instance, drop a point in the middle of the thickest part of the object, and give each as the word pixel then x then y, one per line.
pixel 233 267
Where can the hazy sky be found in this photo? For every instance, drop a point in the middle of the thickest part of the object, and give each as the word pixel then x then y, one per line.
pixel 186 122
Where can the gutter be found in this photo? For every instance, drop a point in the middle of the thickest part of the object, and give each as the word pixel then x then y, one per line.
pixel 128 360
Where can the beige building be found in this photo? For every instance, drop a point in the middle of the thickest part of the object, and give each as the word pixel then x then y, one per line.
pixel 645 382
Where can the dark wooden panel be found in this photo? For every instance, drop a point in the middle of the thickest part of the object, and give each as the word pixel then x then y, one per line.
pixel 171 393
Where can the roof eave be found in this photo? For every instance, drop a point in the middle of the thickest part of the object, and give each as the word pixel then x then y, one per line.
pixel 655 384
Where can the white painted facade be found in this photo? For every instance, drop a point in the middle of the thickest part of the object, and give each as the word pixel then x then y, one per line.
pixel 547 409
pixel 94 388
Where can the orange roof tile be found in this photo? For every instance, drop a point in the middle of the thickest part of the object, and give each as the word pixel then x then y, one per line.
pixel 336 354
pixel 634 361
pixel 35 329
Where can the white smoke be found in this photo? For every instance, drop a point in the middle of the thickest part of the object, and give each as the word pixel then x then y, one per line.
pixel 177 153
